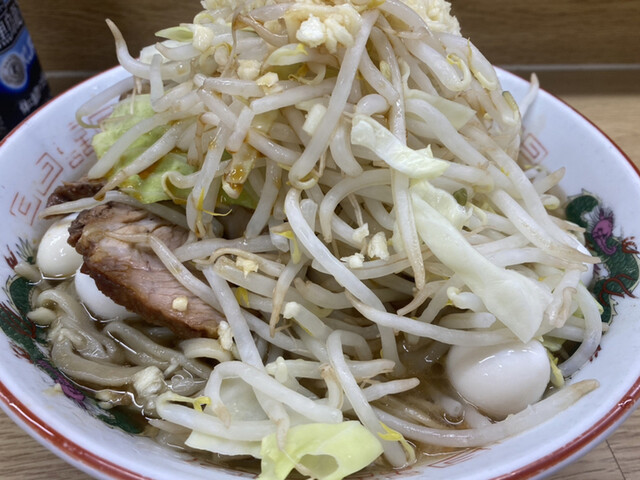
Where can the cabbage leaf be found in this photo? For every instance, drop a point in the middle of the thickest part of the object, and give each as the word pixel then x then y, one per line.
pixel 517 301
pixel 320 450
pixel 147 186
pixel 366 132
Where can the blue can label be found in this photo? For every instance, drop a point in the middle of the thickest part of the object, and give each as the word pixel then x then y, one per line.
pixel 23 86
pixel 11 23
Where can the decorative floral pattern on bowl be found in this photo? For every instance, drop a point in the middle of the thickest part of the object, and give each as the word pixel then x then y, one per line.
pixel 50 148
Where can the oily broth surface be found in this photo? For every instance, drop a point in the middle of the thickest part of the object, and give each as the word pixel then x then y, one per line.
pixel 426 363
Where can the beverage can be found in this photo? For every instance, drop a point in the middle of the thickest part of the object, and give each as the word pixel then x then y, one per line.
pixel 23 85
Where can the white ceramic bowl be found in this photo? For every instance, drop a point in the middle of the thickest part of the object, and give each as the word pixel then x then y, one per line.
pixel 49 147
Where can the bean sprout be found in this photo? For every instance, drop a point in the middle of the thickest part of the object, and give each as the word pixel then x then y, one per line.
pixel 346 177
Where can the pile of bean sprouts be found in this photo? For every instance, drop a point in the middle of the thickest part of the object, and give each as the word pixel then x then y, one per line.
pixel 361 126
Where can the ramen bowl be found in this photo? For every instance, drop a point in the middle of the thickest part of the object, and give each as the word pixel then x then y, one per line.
pixel 600 182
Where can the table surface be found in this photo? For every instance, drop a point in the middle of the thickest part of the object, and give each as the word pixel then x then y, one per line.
pixel 612 101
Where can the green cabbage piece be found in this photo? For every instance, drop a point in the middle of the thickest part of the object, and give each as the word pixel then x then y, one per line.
pixel 320 450
pixel 445 203
pixel 367 132
pixel 125 115
pixel 248 198
pixel 517 301
pixel 147 186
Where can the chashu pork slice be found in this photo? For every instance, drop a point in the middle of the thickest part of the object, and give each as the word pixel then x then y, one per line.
pixel 132 275
pixel 70 191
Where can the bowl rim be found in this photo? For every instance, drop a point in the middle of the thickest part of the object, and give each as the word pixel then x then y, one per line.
pixel 93 464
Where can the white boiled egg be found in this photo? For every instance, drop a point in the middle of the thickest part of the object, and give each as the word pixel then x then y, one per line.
pixel 97 302
pixel 500 379
pixel 55 257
